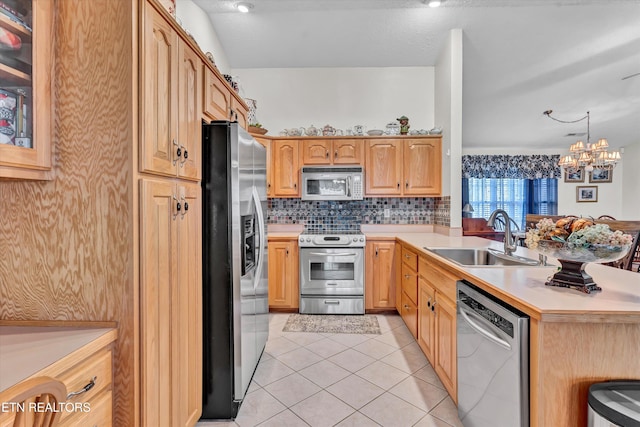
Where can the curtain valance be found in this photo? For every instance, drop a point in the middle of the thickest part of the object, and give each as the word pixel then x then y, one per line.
pixel 504 166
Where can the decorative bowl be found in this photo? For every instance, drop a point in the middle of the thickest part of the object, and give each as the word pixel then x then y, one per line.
pixel 582 253
pixel 573 258
pixel 375 132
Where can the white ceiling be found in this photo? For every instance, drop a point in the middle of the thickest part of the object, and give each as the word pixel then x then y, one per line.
pixel 521 57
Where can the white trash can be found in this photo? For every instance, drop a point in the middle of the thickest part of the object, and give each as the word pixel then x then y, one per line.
pixel 614 403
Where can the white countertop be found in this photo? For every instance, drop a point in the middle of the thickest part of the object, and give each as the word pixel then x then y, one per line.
pixel 26 350
pixel 620 293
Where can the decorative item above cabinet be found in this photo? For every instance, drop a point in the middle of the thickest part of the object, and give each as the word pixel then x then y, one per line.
pixel 26 85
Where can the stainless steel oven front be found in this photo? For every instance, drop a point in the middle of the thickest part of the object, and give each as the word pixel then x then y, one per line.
pixel 332 280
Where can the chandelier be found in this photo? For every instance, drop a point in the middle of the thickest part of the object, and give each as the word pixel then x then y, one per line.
pixel 588 156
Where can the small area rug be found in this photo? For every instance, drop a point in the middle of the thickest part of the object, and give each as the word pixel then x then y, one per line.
pixel 332 323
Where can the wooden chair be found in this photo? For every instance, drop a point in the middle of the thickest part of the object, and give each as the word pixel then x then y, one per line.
pixel 607 218
pixel 45 392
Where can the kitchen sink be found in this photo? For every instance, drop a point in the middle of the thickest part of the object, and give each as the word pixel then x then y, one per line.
pixel 483 257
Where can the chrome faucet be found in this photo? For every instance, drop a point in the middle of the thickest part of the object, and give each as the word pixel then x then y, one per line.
pixel 509 241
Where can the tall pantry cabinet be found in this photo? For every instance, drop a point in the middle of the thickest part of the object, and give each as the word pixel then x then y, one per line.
pixel 170 225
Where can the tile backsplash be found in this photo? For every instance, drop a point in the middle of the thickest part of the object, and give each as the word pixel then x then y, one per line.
pixel 347 215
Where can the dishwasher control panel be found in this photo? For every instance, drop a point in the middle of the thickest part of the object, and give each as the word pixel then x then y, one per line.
pixel 488 314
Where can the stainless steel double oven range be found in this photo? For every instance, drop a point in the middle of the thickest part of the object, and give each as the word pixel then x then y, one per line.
pixel 332 272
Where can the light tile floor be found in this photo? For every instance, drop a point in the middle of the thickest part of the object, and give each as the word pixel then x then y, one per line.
pixel 310 379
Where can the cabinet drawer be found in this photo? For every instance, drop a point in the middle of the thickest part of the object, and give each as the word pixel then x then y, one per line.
pixel 410 258
pixel 442 280
pixel 410 283
pixel 99 366
pixel 99 413
pixel 410 315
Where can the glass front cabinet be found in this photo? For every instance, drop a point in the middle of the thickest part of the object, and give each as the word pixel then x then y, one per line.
pixel 26 69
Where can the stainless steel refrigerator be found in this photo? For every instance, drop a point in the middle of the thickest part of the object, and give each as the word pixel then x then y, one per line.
pixel 234 250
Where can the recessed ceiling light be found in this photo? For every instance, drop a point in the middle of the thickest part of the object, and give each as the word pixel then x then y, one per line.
pixel 433 3
pixel 244 7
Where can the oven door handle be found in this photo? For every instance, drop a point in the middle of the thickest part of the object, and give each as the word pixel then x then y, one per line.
pixel 482 331
pixel 327 255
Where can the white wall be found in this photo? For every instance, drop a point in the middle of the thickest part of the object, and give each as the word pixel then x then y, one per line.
pixel 197 22
pixel 448 116
pixel 341 97
pixel 630 193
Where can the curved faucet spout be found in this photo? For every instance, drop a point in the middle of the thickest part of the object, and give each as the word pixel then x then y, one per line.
pixel 509 240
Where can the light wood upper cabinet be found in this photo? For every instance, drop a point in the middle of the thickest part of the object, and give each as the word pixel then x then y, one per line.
pixel 286 170
pixel 169 103
pixel 404 167
pixel 26 85
pixel 284 274
pixel 190 112
pixel 348 151
pixel 332 152
pixel 422 168
pixel 171 306
pixel 316 152
pixel 266 143
pixel 217 97
pixel 159 95
pixel 238 112
pixel 380 274
pixel 383 167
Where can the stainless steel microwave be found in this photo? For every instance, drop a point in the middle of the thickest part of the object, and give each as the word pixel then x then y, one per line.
pixel 332 183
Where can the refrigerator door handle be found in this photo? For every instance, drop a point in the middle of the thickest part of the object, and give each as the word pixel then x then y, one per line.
pixel 256 200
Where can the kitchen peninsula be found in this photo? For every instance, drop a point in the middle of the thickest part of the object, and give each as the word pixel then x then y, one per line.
pixel 575 339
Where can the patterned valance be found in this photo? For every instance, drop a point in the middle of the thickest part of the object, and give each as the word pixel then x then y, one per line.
pixel 518 167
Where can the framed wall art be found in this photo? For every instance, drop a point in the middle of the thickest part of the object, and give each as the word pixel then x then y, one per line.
pixel 587 193
pixel 600 175
pixel 574 175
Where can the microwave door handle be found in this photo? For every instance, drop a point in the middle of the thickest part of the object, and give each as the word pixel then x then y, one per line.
pixel 348 186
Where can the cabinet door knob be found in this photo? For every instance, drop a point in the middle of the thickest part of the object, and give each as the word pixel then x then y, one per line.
pixel 406 276
pixel 398 186
pixel 326 154
pixel 406 184
pixel 335 154
pixel 376 251
pixel 406 306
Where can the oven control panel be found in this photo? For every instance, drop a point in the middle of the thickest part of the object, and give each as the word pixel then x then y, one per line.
pixel 333 240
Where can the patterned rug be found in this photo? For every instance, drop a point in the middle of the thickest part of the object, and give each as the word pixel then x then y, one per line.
pixel 332 323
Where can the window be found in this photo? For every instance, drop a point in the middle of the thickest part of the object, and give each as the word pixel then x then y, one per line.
pixel 518 197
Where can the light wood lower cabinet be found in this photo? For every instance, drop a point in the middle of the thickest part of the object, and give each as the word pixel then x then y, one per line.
pixel 446 364
pixel 283 274
pixel 426 321
pixel 34 350
pixel 380 272
pixel 409 283
pixel 170 303
pixel 437 324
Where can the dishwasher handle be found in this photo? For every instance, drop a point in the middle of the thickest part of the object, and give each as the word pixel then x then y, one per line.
pixel 482 331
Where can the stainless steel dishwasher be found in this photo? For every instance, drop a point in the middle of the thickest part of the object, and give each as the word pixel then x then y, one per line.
pixel 493 360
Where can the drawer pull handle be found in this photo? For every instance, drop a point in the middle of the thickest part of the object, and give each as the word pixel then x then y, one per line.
pixel 84 389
